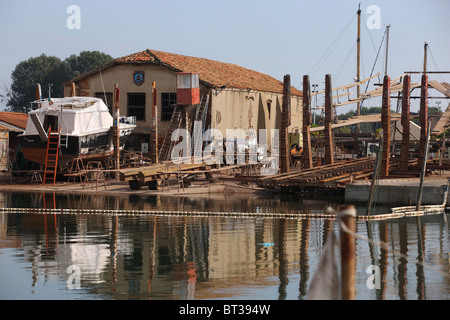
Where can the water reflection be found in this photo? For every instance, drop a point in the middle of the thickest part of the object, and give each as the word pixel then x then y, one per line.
pixel 189 257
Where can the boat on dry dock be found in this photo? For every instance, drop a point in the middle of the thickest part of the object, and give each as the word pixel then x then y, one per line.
pixel 83 125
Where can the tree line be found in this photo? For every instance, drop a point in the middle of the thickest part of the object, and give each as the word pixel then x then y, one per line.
pixel 50 72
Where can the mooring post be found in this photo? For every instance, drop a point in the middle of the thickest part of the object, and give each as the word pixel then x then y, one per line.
pixel 329 145
pixel 307 152
pixel 285 122
pixel 347 216
pixel 386 126
pixel 404 151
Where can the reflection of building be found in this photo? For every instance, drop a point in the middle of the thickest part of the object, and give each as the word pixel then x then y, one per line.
pixel 240 98
pixel 187 257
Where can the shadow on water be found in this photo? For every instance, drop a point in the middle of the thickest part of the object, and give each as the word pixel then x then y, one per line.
pixel 203 257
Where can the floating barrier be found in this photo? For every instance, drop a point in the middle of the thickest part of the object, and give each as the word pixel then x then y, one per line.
pixel 395 214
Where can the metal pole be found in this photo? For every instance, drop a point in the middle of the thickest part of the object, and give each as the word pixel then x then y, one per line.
pixel 424 167
pixel 347 216
pixel 376 171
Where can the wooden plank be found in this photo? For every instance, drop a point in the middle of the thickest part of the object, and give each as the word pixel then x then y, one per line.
pixel 439 87
pixel 348 86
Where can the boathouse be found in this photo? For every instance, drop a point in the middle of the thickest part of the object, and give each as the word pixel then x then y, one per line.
pixel 239 98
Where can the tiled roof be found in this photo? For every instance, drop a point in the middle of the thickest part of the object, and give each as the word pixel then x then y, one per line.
pixel 16 119
pixel 214 73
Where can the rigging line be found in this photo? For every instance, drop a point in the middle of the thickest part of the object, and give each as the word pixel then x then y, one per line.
pixel 385 246
pixel 435 64
pixel 331 47
pixel 103 86
pixel 373 67
pixel 376 58
pixel 344 62
pixel 373 43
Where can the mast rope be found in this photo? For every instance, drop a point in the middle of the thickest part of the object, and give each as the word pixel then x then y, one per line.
pixel 330 48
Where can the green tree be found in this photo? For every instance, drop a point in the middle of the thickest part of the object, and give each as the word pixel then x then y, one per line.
pixel 48 71
pixel 84 62
pixel 27 74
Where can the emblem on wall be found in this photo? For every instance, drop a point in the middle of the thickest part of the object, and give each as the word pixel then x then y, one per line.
pixel 138 77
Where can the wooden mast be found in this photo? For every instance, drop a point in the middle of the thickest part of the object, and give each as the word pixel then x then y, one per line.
pixel 425 58
pixel 358 57
pixel 387 49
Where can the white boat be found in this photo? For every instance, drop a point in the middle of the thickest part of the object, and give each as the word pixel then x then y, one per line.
pixel 84 126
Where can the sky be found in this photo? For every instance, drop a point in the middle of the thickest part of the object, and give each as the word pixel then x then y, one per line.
pixel 275 37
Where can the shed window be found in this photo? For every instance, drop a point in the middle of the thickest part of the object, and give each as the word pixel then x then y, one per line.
pixel 168 102
pixel 136 105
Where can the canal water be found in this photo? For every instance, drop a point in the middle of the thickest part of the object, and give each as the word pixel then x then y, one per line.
pixel 192 256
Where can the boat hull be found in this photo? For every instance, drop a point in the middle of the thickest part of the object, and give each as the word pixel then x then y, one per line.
pixel 92 147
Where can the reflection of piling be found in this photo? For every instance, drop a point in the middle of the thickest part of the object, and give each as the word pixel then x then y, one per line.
pixel 329 154
pixel 404 152
pixel 386 126
pixel 307 152
pixel 423 116
pixel 347 215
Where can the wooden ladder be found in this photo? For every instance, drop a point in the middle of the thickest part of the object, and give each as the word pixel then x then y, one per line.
pixel 175 123
pixel 200 115
pixel 51 157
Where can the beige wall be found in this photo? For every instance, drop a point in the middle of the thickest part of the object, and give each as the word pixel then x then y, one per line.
pixel 243 109
pixel 123 76
pixel 231 108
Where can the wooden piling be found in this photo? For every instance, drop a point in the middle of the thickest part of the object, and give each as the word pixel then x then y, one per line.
pixel 116 127
pixel 154 126
pixel 386 126
pixel 347 216
pixel 285 122
pixel 307 152
pixel 329 145
pixel 405 121
pixel 423 119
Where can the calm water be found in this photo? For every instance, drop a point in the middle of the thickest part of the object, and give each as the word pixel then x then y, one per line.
pixel 48 256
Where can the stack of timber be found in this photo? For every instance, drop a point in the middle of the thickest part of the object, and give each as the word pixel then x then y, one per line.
pixel 326 176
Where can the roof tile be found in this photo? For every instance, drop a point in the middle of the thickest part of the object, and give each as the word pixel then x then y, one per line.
pixel 14 118
pixel 215 73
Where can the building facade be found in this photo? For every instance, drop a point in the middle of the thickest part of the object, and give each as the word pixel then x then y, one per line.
pixel 240 98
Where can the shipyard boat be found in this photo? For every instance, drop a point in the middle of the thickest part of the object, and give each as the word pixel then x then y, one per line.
pixel 84 126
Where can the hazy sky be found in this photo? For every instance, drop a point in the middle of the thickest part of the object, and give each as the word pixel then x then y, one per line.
pixel 274 37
